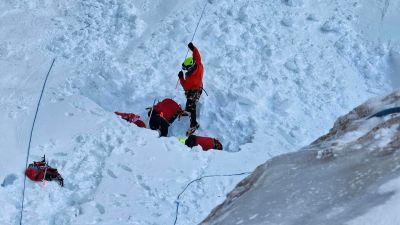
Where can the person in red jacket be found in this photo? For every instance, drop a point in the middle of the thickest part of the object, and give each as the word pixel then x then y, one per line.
pixel 163 114
pixel 192 83
pixel 206 143
pixel 132 118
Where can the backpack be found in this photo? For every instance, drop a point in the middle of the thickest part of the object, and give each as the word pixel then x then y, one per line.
pixel 39 171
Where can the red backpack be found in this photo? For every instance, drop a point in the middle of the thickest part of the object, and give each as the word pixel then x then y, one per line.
pixel 39 171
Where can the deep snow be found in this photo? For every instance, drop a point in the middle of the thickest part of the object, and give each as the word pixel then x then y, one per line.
pixel 278 74
pixel 348 176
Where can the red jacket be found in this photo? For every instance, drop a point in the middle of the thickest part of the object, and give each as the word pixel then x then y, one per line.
pixel 132 118
pixel 206 143
pixel 195 80
pixel 167 109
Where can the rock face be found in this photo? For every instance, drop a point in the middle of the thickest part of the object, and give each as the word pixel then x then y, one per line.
pixel 332 181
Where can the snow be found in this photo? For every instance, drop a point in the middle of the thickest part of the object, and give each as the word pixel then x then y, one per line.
pixel 385 213
pixel 355 184
pixel 275 78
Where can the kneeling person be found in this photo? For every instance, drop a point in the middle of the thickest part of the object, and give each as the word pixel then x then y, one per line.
pixel 163 114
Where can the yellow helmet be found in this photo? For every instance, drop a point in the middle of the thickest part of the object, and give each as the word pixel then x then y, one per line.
pixel 188 63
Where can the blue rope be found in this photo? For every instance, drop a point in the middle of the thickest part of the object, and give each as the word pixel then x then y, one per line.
pixel 30 139
pixel 194 34
pixel 198 179
pixel 197 26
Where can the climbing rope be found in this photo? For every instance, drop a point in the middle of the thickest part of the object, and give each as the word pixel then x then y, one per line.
pixel 194 34
pixel 197 26
pixel 30 139
pixel 198 179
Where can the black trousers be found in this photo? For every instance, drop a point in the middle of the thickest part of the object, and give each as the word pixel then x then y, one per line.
pixel 192 98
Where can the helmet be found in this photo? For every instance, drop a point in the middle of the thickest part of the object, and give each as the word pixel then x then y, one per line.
pixel 188 63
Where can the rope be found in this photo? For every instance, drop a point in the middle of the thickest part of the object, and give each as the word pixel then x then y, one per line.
pixel 151 113
pixel 30 139
pixel 194 34
pixel 198 179
pixel 197 26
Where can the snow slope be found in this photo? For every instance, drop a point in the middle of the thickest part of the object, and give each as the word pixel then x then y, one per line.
pixel 348 176
pixel 277 74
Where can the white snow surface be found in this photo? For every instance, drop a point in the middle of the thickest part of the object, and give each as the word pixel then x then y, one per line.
pixel 277 73
pixel 338 179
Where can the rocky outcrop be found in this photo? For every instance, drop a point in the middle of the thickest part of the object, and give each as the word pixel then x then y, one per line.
pixel 333 180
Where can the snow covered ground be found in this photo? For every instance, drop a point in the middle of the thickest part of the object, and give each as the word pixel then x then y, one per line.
pixel 348 176
pixel 278 74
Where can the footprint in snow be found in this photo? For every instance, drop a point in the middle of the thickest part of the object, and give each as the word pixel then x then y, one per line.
pixel 111 174
pixel 9 180
pixel 100 208
pixel 125 167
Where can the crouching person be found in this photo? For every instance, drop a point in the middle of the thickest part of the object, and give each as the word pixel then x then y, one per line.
pixel 206 143
pixel 163 114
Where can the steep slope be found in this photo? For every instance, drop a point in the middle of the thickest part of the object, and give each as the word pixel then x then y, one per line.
pixel 277 74
pixel 348 176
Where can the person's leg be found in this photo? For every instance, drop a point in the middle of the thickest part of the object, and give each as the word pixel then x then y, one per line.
pixel 191 141
pixel 192 98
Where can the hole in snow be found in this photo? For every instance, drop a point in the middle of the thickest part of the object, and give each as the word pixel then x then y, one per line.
pixel 223 115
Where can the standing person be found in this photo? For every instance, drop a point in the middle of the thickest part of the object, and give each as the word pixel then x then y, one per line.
pixel 163 114
pixel 192 83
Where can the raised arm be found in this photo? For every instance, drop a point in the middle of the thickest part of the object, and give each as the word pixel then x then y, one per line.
pixel 196 53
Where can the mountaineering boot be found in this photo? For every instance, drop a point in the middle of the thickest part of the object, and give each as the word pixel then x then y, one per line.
pixel 192 129
pixel 185 113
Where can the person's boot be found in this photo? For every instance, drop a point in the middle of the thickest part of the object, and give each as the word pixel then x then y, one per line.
pixel 185 113
pixel 192 129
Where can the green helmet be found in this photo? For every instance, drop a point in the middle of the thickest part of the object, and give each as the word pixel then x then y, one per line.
pixel 188 63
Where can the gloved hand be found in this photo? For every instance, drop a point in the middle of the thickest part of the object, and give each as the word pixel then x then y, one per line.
pixel 180 75
pixel 191 46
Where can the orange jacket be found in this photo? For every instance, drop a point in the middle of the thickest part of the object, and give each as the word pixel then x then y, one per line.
pixel 195 80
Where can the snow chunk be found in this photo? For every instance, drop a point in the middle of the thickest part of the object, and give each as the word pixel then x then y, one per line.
pixel 332 26
pixel 287 22
pixel 312 17
pixel 292 66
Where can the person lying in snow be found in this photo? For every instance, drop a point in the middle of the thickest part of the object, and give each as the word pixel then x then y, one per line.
pixel 39 171
pixel 163 114
pixel 192 84
pixel 132 118
pixel 206 143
